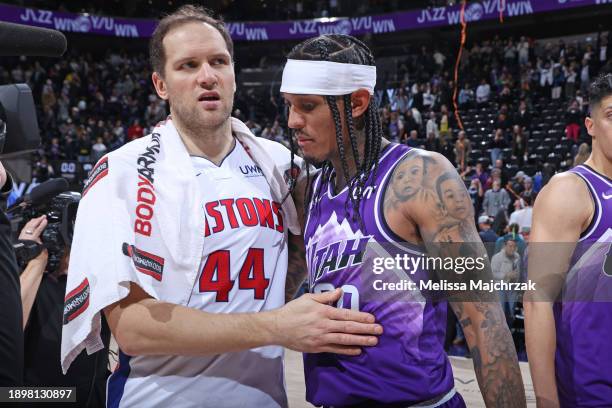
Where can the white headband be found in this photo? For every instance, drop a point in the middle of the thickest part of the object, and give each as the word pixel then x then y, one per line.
pixel 326 78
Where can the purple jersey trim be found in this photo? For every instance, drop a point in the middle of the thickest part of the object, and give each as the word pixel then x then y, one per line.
pixel 597 204
pixel 379 216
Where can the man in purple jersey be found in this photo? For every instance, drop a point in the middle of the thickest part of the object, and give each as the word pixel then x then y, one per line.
pixel 568 340
pixel 367 191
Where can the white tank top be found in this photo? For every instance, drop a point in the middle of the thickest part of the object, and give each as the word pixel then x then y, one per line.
pixel 243 269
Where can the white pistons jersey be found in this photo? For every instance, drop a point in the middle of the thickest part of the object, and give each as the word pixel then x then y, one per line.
pixel 243 269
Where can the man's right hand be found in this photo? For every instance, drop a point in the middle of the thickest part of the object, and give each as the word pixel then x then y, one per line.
pixel 308 324
pixel 3 176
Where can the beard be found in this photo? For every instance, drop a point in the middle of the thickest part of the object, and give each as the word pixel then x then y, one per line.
pixel 194 118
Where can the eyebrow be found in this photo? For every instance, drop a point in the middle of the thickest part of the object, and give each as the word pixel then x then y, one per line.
pixel 194 57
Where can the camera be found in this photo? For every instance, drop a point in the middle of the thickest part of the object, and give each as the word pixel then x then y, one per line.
pixel 18 125
pixel 61 213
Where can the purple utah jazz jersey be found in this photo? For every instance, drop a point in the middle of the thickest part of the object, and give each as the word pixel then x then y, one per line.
pixel 409 364
pixel 583 320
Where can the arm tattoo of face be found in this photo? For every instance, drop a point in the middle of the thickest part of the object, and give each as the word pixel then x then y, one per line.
pixel 479 312
pixel 409 180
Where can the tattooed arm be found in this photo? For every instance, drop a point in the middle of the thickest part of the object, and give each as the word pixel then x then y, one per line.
pixel 296 268
pixel 562 211
pixel 453 234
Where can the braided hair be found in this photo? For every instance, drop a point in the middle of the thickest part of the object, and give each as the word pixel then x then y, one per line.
pixel 349 50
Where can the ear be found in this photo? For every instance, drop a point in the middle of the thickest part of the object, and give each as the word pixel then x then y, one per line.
pixel 589 124
pixel 360 100
pixel 160 85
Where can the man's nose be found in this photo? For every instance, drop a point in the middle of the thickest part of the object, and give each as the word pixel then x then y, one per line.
pixel 295 120
pixel 206 76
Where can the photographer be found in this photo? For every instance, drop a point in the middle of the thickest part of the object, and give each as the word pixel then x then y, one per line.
pixel 11 333
pixel 42 295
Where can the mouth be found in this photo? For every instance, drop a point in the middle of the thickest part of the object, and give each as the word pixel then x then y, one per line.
pixel 460 210
pixel 210 100
pixel 303 140
pixel 209 96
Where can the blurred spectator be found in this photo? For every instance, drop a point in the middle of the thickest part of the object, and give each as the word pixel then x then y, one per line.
pixel 277 133
pixel 497 145
pixel 399 101
pixel 267 131
pixel 42 170
pixel 483 93
pixel 558 82
pixel 413 140
pixel 517 182
pixel 496 199
pixel 410 123
pixel 527 185
pixel 156 111
pixel 466 97
pixel 505 266
pixel 519 145
pixel 445 130
pixel 523 51
pixel 570 80
pixel 429 98
pixel 505 95
pixel 522 116
pixel 431 129
pixel 396 127
pixel 503 171
pixel 55 150
pixel 416 114
pixel 584 151
pixel 83 146
pixel 511 232
pixel 254 127
pixel 481 174
pixel 48 99
pixel 573 118
pixel 546 77
pixel 98 150
pixel 476 193
pixel 486 233
pixel 522 216
pixel 463 149
pixel 446 149
pixel 542 177
pixel 503 122
pixel 135 131
pixel 585 75
pixel 417 98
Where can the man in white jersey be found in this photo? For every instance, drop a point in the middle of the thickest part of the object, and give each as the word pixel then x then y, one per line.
pixel 193 284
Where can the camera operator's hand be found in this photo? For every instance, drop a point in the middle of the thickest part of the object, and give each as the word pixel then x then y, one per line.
pixel 32 232
pixel 32 275
pixel 33 229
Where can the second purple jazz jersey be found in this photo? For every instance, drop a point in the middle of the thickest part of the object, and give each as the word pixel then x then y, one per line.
pixel 409 365
pixel 583 321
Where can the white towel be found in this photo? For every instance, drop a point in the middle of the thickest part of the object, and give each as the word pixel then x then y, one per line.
pixel 140 219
